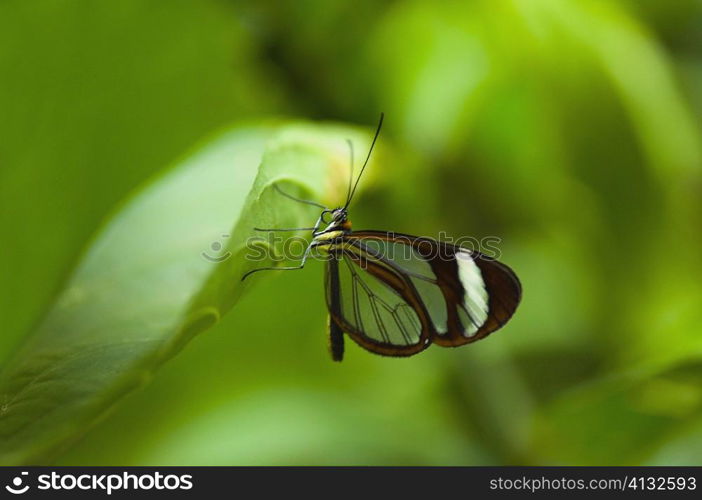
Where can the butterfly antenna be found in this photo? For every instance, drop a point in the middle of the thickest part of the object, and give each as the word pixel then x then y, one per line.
pixel 348 193
pixel 375 138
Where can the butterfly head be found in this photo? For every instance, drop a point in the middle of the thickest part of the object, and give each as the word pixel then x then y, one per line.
pixel 336 219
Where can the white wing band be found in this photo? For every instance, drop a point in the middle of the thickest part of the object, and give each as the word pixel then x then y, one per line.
pixel 475 300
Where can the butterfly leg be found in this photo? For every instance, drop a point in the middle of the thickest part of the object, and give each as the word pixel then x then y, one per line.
pixel 276 268
pixel 306 202
pixel 265 229
pixel 313 229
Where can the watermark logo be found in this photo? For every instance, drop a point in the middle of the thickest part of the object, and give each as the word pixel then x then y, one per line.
pixel 102 483
pixel 16 488
pixel 215 253
pixel 398 248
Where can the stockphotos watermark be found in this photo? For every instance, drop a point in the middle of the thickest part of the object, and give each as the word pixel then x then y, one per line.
pixel 295 248
pixel 107 483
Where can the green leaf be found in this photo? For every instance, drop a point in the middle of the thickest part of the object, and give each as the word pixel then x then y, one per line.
pixel 87 116
pixel 149 281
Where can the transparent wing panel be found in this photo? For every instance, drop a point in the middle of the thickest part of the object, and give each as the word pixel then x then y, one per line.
pixel 416 266
pixel 374 309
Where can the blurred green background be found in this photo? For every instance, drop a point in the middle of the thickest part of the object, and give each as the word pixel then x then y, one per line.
pixel 570 129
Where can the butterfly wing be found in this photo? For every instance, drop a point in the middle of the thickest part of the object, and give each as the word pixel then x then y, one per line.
pixel 373 302
pixel 458 295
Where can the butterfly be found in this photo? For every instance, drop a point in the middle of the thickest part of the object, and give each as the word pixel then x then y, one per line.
pixel 396 294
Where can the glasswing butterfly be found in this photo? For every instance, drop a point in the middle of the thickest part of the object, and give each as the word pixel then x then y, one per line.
pixel 396 294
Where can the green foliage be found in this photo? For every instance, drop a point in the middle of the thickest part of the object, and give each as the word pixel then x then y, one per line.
pixel 568 128
pixel 144 288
